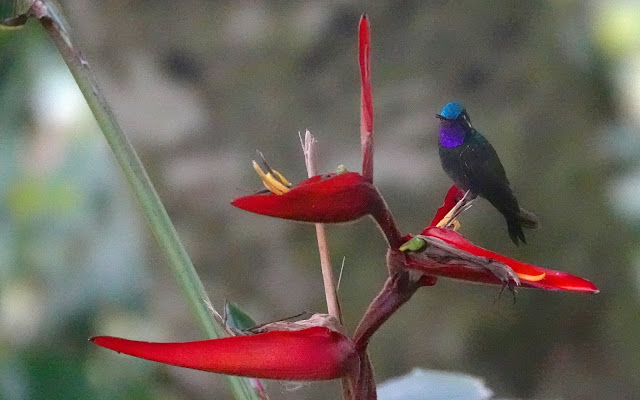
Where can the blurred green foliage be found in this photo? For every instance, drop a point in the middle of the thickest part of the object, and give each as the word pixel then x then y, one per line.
pixel 201 84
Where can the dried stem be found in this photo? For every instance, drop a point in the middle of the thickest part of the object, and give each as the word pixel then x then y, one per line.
pixel 333 306
pixel 330 293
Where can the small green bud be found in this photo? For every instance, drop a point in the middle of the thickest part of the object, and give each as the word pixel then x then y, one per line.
pixel 414 244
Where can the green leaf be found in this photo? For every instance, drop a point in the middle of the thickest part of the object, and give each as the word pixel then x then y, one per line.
pixel 236 318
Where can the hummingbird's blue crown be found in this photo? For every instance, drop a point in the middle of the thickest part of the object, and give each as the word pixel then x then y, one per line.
pixel 452 110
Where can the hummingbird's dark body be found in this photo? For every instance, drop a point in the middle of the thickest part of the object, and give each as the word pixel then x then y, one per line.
pixel 473 164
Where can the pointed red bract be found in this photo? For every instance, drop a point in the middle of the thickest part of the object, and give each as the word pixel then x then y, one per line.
pixel 316 353
pixel 320 199
pixel 530 275
pixel 366 100
pixel 454 195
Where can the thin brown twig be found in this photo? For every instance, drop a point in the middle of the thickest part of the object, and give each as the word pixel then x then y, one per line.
pixel 333 306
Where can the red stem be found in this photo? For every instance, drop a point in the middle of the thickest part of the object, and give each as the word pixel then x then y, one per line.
pixel 397 290
pixel 382 215
pixel 365 384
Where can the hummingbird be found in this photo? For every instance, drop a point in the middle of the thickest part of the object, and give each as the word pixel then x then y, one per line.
pixel 473 165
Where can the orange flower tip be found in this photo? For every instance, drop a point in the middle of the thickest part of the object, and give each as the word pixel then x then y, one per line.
pixel 531 278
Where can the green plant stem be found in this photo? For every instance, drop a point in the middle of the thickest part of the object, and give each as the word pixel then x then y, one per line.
pixel 152 207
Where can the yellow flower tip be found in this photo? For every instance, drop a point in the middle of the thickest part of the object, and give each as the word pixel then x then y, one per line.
pixel 341 169
pixel 532 278
pixel 275 183
pixel 281 178
pixel 447 222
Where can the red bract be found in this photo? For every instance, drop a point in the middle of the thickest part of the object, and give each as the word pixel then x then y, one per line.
pixel 316 353
pixel 321 199
pixel 366 98
pixel 454 195
pixel 459 268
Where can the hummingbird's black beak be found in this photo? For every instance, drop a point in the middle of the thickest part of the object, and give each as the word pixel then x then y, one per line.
pixel 440 117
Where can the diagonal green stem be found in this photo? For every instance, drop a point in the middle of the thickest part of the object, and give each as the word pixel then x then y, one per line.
pixel 152 207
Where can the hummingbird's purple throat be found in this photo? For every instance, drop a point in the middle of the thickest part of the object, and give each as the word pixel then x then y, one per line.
pixel 451 135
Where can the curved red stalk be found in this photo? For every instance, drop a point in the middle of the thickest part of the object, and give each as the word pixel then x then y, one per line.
pixel 316 353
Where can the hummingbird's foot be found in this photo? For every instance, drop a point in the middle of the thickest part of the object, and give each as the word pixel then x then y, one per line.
pixel 507 285
pixel 506 275
pixel 449 220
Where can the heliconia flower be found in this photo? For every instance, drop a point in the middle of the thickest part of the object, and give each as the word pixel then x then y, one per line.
pixel 313 353
pixel 338 197
pixel 447 253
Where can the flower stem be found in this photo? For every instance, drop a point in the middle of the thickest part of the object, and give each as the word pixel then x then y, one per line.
pixel 331 295
pixel 163 230
pixel 397 290
pixel 333 306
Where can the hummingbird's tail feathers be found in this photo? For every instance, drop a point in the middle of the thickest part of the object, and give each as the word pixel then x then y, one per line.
pixel 515 223
pixel 515 231
pixel 528 220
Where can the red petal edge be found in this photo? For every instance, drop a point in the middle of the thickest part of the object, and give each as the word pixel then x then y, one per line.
pixel 316 353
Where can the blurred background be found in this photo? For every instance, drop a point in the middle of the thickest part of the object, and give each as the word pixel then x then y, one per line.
pixel 200 85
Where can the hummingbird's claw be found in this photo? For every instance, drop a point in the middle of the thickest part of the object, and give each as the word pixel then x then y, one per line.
pixel 512 288
pixel 506 275
pixel 438 251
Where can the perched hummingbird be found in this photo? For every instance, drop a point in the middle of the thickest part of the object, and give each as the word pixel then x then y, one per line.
pixel 473 164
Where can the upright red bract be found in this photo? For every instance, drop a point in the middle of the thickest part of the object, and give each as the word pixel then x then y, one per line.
pixel 366 98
